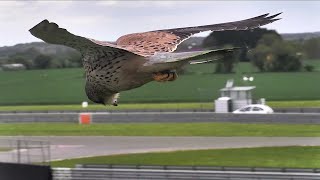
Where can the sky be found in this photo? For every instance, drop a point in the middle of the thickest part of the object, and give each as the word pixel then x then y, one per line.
pixel 108 20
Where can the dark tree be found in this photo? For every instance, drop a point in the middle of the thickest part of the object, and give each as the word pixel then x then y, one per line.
pixel 42 61
pixel 21 60
pixel 312 48
pixel 227 62
pixel 247 39
pixel 274 54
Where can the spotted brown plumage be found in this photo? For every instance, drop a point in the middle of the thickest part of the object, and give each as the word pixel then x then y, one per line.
pixel 167 40
pixel 136 59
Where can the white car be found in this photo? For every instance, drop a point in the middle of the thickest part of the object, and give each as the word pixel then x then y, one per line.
pixel 254 109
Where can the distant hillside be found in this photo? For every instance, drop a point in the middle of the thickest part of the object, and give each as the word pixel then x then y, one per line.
pixel 193 43
pixel 63 51
pixel 300 36
pixel 40 55
pixel 41 47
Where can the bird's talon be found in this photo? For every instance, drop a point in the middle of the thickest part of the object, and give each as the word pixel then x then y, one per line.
pixel 166 76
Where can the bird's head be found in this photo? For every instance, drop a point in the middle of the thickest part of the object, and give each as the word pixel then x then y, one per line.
pixel 106 100
pixel 101 96
pixel 111 100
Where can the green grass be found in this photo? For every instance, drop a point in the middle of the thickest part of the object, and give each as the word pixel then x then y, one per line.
pixel 66 86
pixel 313 62
pixel 148 106
pixel 291 157
pixel 159 129
pixel 294 104
pixel 42 86
pixel 4 149
pixel 101 107
pixel 209 68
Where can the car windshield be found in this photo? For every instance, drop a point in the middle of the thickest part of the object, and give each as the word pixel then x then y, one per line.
pixel 245 109
pixel 257 109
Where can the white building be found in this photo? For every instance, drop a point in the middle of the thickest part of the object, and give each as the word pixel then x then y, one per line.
pixel 233 97
pixel 13 67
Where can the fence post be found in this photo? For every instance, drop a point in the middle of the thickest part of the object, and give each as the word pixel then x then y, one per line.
pixel 18 151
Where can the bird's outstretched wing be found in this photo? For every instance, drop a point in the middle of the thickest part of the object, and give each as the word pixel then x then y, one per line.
pixel 53 34
pixel 167 40
pixel 172 61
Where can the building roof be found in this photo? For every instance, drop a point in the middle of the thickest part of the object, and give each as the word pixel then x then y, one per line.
pixel 238 88
pixel 13 65
pixel 224 98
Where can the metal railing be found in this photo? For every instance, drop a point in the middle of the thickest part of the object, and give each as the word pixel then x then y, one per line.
pixel 163 116
pixel 104 172
pixel 25 151
pixel 200 109
pixel 215 168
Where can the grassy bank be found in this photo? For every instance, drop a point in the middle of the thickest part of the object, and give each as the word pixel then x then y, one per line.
pixel 66 86
pixel 150 106
pixel 294 104
pixel 77 107
pixel 4 149
pixel 292 157
pixel 159 129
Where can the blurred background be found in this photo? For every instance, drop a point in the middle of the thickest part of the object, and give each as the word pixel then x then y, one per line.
pixel 46 118
pixel 283 57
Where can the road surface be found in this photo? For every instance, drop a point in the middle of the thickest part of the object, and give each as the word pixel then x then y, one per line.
pixel 65 147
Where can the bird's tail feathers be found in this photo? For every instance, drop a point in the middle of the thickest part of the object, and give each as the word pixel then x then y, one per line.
pixel 53 34
pixel 211 55
pixel 165 61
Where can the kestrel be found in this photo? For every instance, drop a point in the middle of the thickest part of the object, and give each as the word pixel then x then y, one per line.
pixel 138 58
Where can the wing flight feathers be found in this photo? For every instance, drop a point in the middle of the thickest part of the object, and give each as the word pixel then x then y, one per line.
pixel 167 40
pixel 165 61
pixel 143 44
pixel 53 34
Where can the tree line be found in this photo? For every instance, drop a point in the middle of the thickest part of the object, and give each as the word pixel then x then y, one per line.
pixel 40 56
pixel 265 49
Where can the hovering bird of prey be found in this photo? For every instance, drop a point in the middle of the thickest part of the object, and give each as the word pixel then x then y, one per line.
pixel 138 58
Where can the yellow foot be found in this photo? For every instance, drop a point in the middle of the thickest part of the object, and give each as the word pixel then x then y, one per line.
pixel 165 76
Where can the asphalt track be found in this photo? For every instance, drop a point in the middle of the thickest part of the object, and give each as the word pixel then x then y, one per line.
pixel 66 147
pixel 158 117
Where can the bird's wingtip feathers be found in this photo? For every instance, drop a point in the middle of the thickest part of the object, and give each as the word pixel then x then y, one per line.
pixel 273 16
pixel 44 27
pixel 273 20
pixel 45 21
pixel 267 17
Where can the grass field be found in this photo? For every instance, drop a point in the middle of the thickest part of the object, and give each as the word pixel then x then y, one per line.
pixel 149 106
pixel 291 157
pixel 142 106
pixel 295 104
pixel 66 86
pixel 3 149
pixel 160 129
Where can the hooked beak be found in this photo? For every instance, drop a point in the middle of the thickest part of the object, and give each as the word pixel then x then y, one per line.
pixel 114 103
pixel 111 100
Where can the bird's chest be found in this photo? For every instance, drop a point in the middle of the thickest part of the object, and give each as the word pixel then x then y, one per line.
pixel 106 73
pixel 116 74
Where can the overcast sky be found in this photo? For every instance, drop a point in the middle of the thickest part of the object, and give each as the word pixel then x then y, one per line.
pixel 108 20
